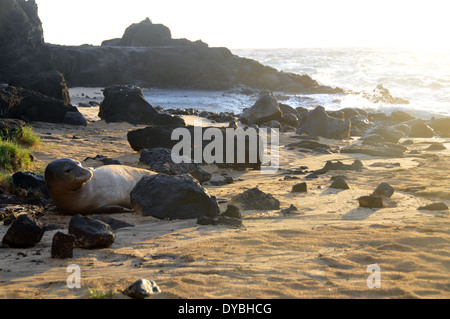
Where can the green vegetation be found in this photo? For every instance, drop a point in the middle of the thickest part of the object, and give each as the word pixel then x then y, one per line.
pixel 24 136
pixel 15 151
pixel 95 294
pixel 14 158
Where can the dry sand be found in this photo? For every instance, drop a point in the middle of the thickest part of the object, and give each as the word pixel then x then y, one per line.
pixel 321 251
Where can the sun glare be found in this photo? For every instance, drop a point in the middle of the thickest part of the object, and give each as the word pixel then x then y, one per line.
pixel 255 24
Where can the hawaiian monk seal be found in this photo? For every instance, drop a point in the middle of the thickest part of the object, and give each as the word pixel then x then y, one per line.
pixel 78 190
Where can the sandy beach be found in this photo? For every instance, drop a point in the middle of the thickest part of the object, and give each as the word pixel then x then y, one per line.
pixel 323 250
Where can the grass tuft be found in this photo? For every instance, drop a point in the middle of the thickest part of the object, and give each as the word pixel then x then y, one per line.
pixel 14 158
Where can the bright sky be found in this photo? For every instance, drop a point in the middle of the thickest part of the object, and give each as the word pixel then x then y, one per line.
pixel 255 23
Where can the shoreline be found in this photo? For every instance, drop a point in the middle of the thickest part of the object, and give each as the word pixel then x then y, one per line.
pixel 236 100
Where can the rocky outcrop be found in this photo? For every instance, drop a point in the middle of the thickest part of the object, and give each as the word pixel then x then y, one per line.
pixel 22 48
pixel 146 55
pixel 51 84
pixel 143 34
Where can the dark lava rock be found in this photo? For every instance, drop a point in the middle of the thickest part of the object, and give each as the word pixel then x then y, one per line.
pixel 370 201
pixel 141 289
pixel 339 183
pixel 126 103
pixel 22 47
pixel 290 210
pixel 318 123
pixel 160 160
pixel 156 137
pixel 62 245
pixel 30 182
pixel 25 231
pixel 143 34
pixel 232 211
pixel 384 189
pixel 265 109
pixel 434 206
pixel 90 233
pixel 206 220
pixel 301 187
pixel 51 84
pixel 387 133
pixel 229 221
pixel 421 130
pixel 174 197
pixel 74 118
pixel 441 126
pixel 254 198
pixel 30 106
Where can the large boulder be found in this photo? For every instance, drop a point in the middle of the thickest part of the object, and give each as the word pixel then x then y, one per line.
pixel 126 103
pixel 421 129
pixel 173 197
pixel 151 137
pixel 441 126
pixel 318 123
pixel 161 136
pixel 385 132
pixel 30 106
pixel 265 109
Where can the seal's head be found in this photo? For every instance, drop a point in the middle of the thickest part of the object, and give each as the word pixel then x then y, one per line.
pixel 66 175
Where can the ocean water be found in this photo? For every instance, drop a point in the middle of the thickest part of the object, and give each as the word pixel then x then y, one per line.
pixel 422 77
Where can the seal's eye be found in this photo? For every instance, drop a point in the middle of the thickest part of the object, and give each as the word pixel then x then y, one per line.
pixel 68 170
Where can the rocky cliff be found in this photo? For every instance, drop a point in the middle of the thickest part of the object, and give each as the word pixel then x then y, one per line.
pixel 146 55
pixel 22 47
